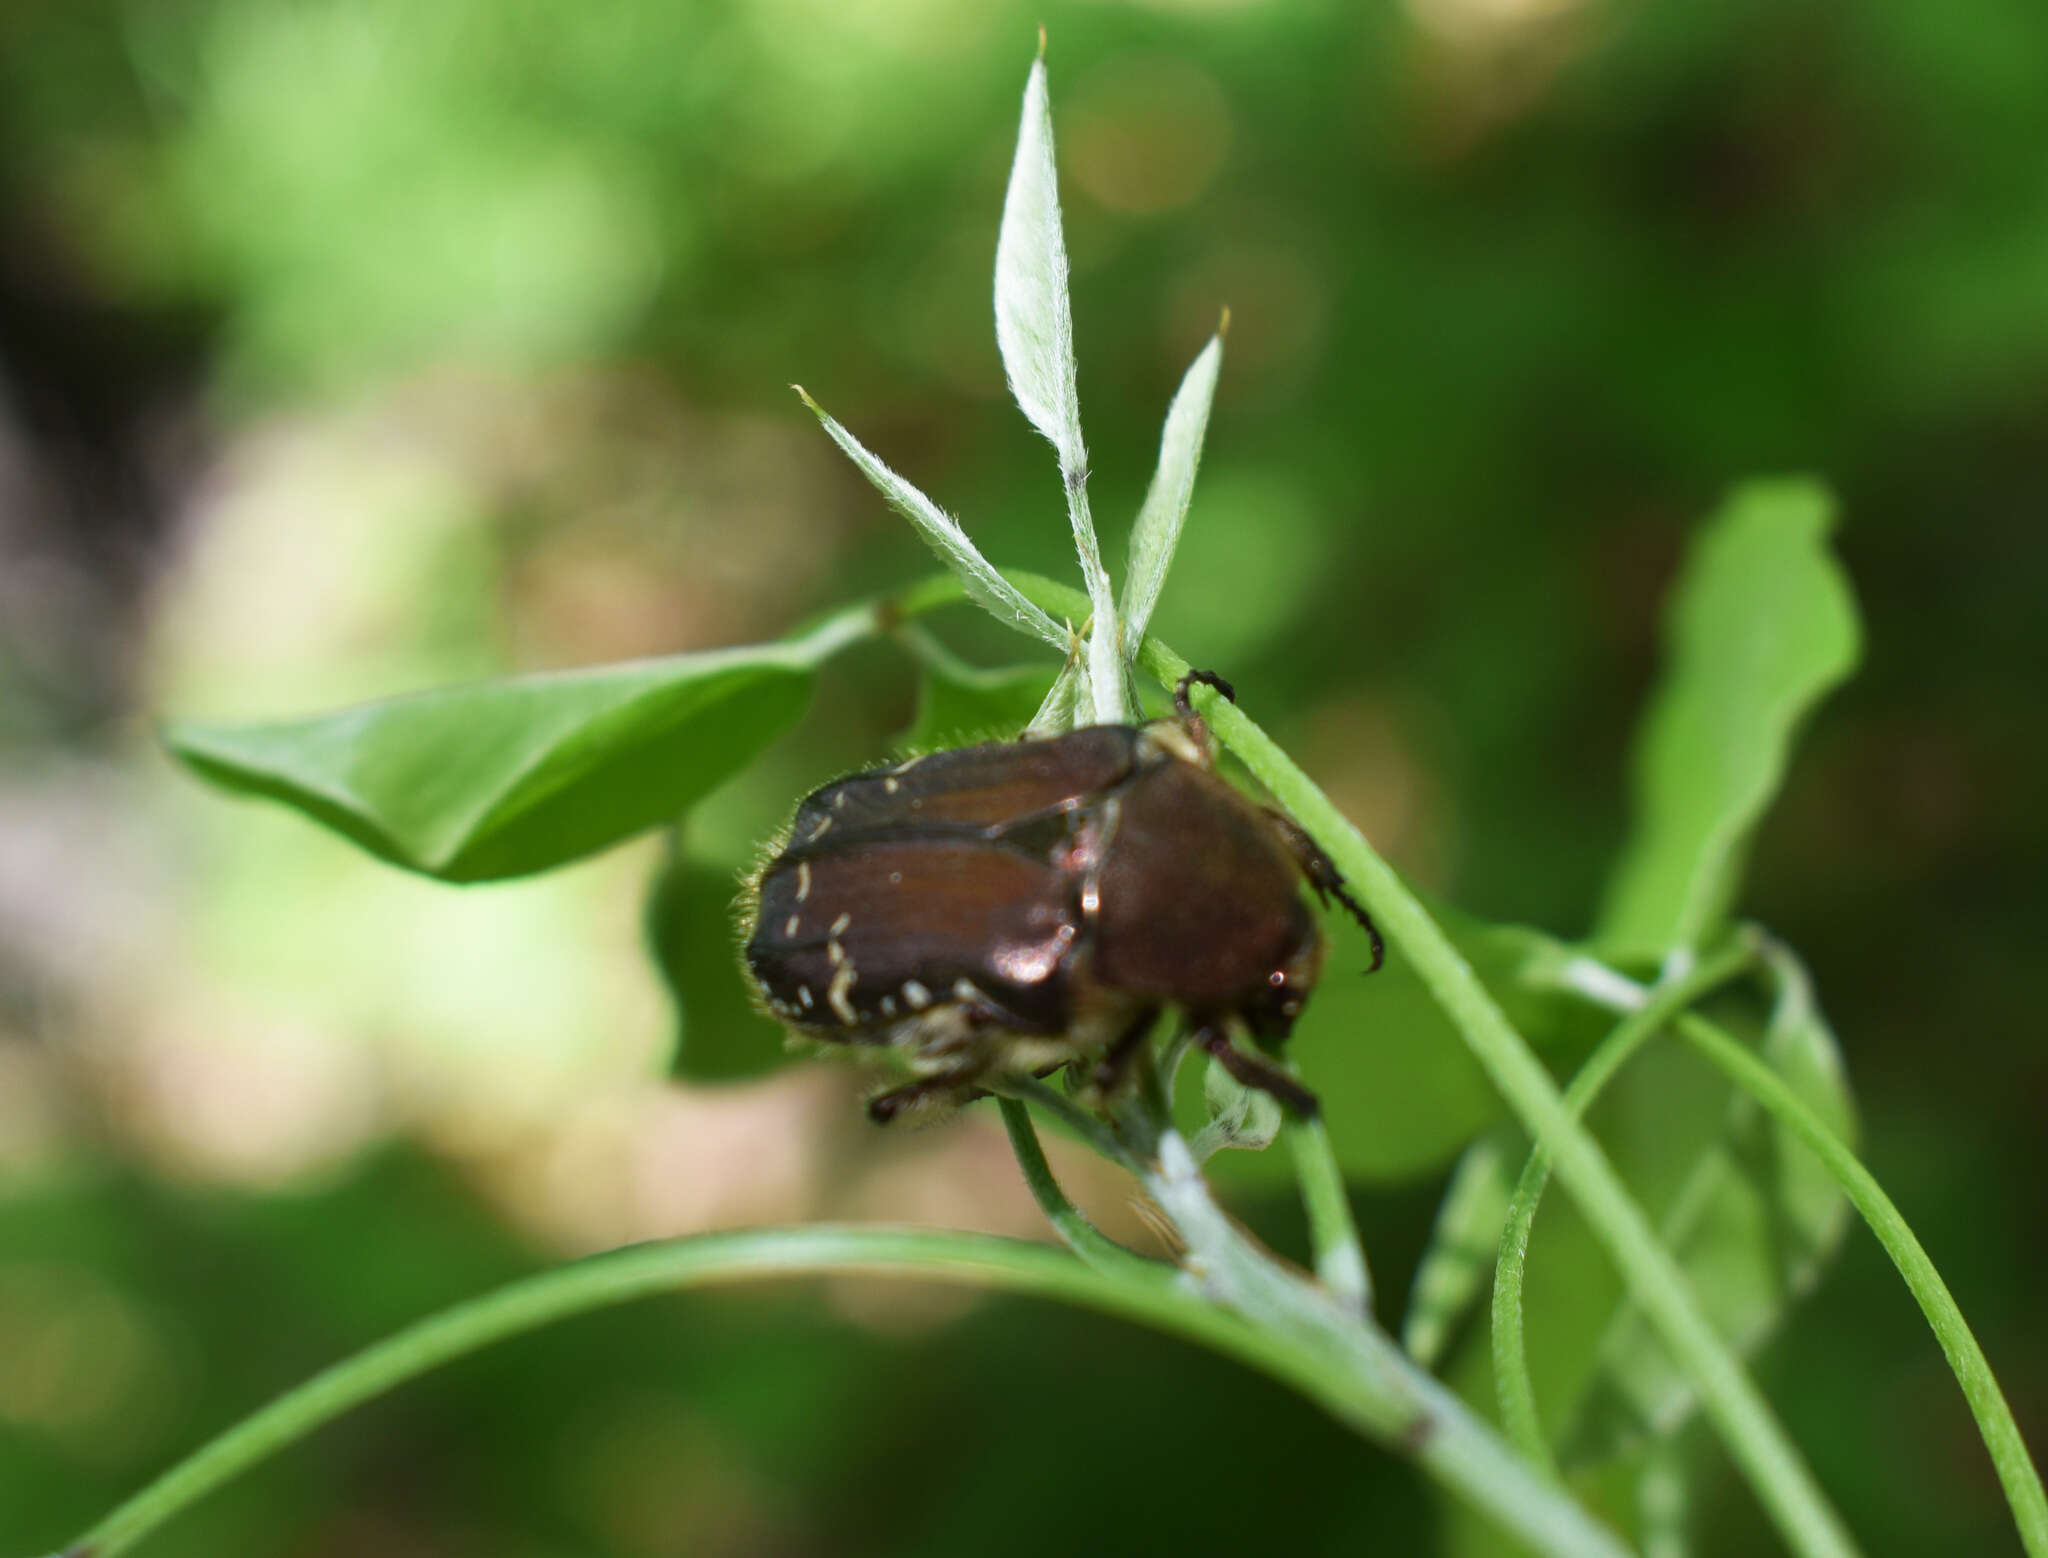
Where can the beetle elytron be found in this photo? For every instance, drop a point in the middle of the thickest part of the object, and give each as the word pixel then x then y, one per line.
pixel 1014 907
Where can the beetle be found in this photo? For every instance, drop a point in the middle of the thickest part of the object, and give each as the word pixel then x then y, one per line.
pixel 1015 907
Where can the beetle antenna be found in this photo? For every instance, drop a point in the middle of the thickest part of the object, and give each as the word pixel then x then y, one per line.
pixel 1182 707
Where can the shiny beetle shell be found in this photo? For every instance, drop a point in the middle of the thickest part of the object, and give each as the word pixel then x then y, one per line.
pixel 1017 906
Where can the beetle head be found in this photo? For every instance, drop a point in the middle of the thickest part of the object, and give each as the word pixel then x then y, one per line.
pixel 1272 1012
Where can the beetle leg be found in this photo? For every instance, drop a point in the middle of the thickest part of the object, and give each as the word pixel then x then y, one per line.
pixel 1324 877
pixel 1182 707
pixel 1115 1063
pixel 1254 1072
pixel 948 1089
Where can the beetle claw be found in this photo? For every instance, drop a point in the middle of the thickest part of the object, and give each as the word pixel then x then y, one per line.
pixel 1182 707
pixel 1325 878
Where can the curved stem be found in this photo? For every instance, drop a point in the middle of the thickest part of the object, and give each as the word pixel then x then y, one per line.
pixel 1081 1236
pixel 1390 1396
pixel 1755 1438
pixel 2016 1470
pixel 1510 1343
pixel 1050 1101
pixel 1012 1265
pixel 1149 1294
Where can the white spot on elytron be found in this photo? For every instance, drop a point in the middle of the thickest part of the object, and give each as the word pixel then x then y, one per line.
pixel 803 880
pixel 838 800
pixel 839 925
pixel 891 786
pixel 803 995
pixel 964 990
pixel 888 1006
pixel 824 826
pixel 905 767
pixel 916 994
pixel 789 926
pixel 835 952
pixel 895 878
pixel 842 987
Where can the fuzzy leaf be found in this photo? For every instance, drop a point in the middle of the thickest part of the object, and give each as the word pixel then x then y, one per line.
pixel 1157 532
pixel 1035 332
pixel 1034 317
pixel 1763 625
pixel 942 533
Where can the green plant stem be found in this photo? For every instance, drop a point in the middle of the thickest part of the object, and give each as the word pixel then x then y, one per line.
pixel 1390 1396
pixel 1081 1236
pixel 1510 1343
pixel 2016 1470
pixel 1755 1439
pixel 1144 1292
pixel 1742 1418
pixel 1069 1114
pixel 1332 1231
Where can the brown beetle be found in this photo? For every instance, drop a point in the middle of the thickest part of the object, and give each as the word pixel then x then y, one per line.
pixel 1015 907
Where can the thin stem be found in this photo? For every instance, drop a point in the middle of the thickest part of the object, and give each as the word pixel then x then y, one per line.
pixel 2016 1470
pixel 1332 1231
pixel 1106 671
pixel 1388 1395
pixel 1149 1294
pixel 1077 1120
pixel 1511 1378
pixel 1081 1236
pixel 1755 1438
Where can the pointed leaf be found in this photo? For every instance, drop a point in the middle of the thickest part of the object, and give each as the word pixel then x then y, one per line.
pixel 1763 625
pixel 1035 332
pixel 1034 317
pixel 1752 1220
pixel 1157 532
pixel 942 533
pixel 1068 693
pixel 509 777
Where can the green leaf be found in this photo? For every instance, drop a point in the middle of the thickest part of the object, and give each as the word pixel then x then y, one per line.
pixel 1753 1218
pixel 1035 334
pixel 691 930
pixel 1763 625
pixel 1157 532
pixel 959 704
pixel 510 777
pixel 1034 316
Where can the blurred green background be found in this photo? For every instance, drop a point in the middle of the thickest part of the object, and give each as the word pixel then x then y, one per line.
pixel 350 346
